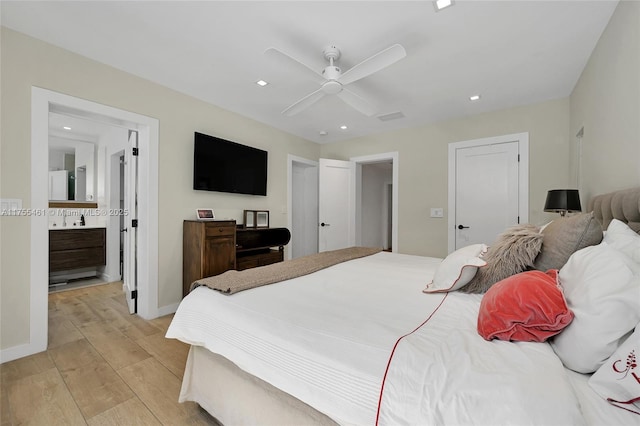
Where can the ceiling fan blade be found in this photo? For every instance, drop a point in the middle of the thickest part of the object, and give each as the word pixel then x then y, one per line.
pixel 304 103
pixel 280 56
pixel 357 102
pixel 373 64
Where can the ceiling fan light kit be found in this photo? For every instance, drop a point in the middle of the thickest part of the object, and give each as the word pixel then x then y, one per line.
pixel 336 80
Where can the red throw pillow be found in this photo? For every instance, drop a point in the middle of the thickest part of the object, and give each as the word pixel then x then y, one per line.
pixel 527 307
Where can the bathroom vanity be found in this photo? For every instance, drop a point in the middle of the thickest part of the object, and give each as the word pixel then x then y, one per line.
pixel 78 247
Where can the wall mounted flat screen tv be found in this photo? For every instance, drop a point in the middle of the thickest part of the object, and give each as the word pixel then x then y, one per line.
pixel 225 166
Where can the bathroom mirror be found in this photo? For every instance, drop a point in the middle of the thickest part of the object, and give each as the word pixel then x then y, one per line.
pixel 71 171
pixel 72 161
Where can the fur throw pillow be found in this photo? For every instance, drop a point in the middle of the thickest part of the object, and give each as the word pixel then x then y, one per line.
pixel 513 252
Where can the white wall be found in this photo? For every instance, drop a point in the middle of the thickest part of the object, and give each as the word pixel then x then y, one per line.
pixel 423 165
pixel 606 104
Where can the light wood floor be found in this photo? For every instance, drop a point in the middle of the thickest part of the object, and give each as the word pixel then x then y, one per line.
pixel 102 367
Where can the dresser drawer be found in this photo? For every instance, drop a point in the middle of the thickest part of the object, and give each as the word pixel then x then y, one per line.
pixel 79 258
pixel 243 263
pixel 247 261
pixel 215 230
pixel 72 239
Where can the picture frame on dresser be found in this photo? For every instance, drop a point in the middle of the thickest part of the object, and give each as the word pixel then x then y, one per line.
pixel 249 218
pixel 256 219
pixel 262 219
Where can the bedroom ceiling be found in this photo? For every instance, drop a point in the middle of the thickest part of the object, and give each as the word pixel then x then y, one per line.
pixel 509 52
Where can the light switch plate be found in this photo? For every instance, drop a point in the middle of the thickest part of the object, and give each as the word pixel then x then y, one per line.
pixel 10 205
pixel 437 212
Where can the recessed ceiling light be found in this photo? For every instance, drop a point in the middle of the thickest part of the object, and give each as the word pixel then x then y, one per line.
pixel 261 83
pixel 67 128
pixel 323 133
pixel 474 97
pixel 344 127
pixel 442 4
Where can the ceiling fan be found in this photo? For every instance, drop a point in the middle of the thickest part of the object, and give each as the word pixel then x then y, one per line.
pixel 336 80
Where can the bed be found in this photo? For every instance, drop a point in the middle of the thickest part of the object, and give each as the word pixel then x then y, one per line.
pixel 363 342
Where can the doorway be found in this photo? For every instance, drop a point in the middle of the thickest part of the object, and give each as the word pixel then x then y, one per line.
pixel 42 102
pixel 376 204
pixel 376 198
pixel 303 206
pixel 356 205
pixel 488 188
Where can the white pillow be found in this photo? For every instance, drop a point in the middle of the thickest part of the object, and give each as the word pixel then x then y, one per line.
pixel 457 269
pixel 602 288
pixel 623 238
pixel 618 380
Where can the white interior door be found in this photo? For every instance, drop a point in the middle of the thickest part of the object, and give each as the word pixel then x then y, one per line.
pixel 130 269
pixel 336 204
pixel 486 192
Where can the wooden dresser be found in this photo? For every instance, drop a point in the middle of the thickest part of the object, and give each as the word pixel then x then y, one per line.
pixel 208 248
pixel 211 248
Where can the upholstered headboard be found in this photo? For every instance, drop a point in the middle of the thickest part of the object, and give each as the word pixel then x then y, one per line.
pixel 623 205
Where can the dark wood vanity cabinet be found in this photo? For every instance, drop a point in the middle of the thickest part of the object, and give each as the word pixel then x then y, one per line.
pixel 77 248
pixel 208 248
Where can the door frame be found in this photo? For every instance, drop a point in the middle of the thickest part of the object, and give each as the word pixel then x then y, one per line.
pixel 41 100
pixel 523 177
pixel 378 158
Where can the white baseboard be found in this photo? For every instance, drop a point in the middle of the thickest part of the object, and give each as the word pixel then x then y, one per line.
pixel 19 351
pixel 167 310
pixel 107 278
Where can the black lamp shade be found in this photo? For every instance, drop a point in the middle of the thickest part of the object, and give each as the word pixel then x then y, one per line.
pixel 562 200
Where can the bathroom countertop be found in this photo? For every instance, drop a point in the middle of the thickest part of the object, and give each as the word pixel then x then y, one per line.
pixel 65 228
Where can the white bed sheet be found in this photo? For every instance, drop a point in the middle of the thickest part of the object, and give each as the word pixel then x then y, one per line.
pixel 445 373
pixel 327 339
pixel 595 409
pixel 324 338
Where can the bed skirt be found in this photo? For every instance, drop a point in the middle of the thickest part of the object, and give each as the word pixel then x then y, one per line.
pixel 235 397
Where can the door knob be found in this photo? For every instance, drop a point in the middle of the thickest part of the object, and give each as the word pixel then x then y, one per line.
pixel 324 224
pixel 462 227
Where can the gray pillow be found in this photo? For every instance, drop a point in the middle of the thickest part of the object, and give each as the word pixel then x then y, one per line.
pixel 564 236
pixel 513 252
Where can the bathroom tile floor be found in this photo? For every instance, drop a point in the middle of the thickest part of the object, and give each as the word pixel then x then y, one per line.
pixel 103 366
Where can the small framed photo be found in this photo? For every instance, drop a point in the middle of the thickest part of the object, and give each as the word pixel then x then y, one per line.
pixel 249 218
pixel 205 214
pixel 262 219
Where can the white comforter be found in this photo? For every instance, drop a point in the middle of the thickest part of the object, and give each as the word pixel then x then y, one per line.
pixel 328 338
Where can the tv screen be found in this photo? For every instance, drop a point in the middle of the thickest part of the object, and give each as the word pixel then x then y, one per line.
pixel 225 166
